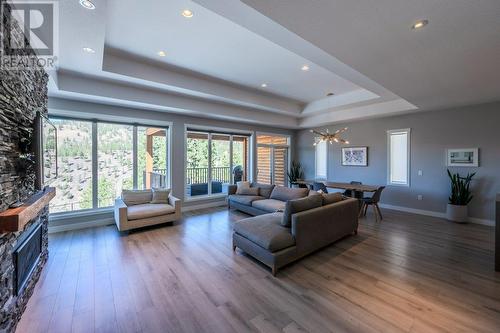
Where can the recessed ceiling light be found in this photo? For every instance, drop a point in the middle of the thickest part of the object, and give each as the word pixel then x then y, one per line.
pixel 87 4
pixel 330 94
pixel 419 24
pixel 263 85
pixel 161 53
pixel 88 50
pixel 187 13
pixel 305 68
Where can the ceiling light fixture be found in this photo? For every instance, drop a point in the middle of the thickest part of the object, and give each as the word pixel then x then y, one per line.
pixel 87 4
pixel 187 13
pixel 161 53
pixel 88 50
pixel 419 24
pixel 329 137
pixel 263 85
pixel 305 68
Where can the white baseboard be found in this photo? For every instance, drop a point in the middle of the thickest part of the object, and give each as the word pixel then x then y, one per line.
pixel 216 203
pixel 435 214
pixel 81 225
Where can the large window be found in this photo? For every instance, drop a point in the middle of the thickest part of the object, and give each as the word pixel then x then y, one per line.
pixel 272 159
pixel 321 160
pixel 114 155
pixel 74 159
pixel 152 157
pixel 398 157
pixel 214 160
pixel 97 160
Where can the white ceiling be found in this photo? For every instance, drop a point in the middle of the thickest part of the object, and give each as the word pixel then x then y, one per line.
pixel 455 60
pixel 366 54
pixel 215 46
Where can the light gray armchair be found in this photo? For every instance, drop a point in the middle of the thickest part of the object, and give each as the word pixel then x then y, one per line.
pixel 137 211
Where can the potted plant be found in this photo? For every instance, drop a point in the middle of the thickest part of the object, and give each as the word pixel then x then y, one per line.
pixel 295 173
pixel 460 197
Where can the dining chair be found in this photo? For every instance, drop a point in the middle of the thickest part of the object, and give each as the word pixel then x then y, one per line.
pixel 357 194
pixel 319 186
pixel 372 201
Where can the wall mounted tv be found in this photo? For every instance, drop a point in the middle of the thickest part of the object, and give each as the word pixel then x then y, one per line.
pixel 45 134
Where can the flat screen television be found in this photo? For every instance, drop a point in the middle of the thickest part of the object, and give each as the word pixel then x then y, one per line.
pixel 45 151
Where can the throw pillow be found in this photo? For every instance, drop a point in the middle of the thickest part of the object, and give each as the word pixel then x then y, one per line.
pixel 160 196
pixel 329 198
pixel 265 189
pixel 248 191
pixel 285 193
pixel 136 197
pixel 299 205
pixel 241 185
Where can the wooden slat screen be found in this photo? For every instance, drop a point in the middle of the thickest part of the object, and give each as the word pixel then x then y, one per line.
pixel 264 165
pixel 280 166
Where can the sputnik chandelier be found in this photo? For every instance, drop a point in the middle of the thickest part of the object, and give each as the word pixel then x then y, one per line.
pixel 329 137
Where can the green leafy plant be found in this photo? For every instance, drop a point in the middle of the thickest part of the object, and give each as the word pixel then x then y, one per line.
pixel 461 194
pixel 295 172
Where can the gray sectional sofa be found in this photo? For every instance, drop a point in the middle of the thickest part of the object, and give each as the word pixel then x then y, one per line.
pixel 290 223
pixel 269 199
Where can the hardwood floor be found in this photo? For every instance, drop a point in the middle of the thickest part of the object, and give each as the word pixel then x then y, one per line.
pixel 408 273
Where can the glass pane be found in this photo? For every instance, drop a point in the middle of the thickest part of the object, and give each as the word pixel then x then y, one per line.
pixel 399 158
pixel 74 182
pixel 221 167
pixel 152 169
pixel 240 158
pixel 114 157
pixel 280 166
pixel 321 161
pixel 264 165
pixel 197 164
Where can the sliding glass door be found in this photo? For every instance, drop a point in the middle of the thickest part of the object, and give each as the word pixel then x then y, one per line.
pixel 214 160
pixel 272 159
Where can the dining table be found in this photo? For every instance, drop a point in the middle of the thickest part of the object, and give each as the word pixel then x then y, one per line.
pixel 342 186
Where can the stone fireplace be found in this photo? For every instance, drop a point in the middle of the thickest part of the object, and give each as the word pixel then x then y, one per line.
pixel 22 94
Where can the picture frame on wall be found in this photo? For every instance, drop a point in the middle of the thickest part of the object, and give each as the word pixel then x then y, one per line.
pixel 355 156
pixel 463 157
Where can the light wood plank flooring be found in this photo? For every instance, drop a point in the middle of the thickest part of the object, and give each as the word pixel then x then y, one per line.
pixel 408 273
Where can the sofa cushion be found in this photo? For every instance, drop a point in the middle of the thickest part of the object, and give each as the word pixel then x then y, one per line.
pixel 269 205
pixel 160 196
pixel 264 189
pixel 137 197
pixel 266 231
pixel 143 211
pixel 248 191
pixel 244 199
pixel 329 198
pixel 300 205
pixel 285 193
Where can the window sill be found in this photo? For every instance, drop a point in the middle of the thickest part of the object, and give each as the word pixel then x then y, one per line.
pixel 80 213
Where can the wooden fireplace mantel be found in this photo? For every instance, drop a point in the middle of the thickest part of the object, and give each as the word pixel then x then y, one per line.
pixel 14 219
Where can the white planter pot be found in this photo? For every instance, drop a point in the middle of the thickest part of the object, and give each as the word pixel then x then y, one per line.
pixel 457 213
